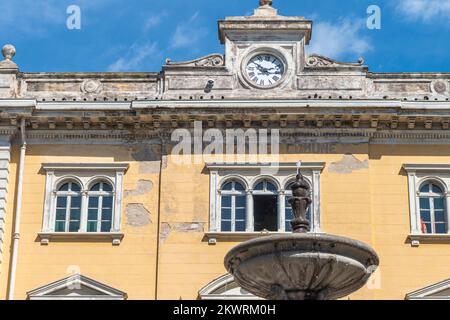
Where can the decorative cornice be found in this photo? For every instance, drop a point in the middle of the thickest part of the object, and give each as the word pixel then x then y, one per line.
pixel 367 135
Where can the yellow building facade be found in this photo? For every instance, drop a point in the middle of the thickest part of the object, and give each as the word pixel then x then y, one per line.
pixel 96 201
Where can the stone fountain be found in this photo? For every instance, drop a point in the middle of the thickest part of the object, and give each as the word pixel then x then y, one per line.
pixel 301 265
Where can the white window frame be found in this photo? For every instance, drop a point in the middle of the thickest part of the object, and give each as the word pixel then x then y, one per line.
pixel 418 174
pixel 233 193
pixel 250 175
pixel 100 195
pixel 69 195
pixel 86 175
pixel 430 196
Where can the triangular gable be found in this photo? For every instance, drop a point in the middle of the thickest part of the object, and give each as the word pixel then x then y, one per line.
pixel 225 288
pixel 438 291
pixel 76 287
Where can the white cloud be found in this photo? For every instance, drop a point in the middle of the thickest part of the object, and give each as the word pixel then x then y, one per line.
pixel 187 33
pixel 154 20
pixel 136 57
pixel 341 40
pixel 424 10
pixel 35 17
pixel 30 15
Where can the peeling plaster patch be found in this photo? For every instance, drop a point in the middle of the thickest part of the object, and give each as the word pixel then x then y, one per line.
pixel 149 167
pixel 137 215
pixel 146 152
pixel 164 232
pixel 143 187
pixel 189 226
pixel 183 227
pixel 348 164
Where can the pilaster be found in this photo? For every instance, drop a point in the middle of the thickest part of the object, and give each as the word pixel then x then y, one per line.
pixel 5 156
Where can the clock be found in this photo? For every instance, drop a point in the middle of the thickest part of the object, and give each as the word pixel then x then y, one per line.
pixel 265 70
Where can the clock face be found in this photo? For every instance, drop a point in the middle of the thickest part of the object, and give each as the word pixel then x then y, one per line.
pixel 265 70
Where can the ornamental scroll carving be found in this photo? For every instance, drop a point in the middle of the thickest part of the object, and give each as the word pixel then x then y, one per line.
pixel 324 62
pixel 214 60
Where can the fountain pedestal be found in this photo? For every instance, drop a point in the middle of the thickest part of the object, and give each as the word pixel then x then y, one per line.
pixel 301 265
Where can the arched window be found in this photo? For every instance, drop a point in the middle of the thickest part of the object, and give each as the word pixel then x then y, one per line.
pixel 289 214
pixel 432 209
pixel 265 203
pixel 265 187
pixel 100 208
pixel 68 208
pixel 233 207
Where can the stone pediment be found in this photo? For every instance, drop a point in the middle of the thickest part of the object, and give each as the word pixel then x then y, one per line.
pixel 225 288
pixel 318 61
pixel 76 287
pixel 210 61
pixel 438 291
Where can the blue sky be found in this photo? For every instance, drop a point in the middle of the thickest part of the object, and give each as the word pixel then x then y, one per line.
pixel 138 35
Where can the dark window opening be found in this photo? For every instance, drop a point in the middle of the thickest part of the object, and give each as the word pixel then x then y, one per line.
pixel 266 216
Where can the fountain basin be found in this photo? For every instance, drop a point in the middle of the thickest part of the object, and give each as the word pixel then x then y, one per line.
pixel 301 266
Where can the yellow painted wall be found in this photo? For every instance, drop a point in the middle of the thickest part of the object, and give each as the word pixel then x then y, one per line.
pixel 369 204
pixel 129 267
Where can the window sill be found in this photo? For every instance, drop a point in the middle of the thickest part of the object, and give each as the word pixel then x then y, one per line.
pixel 114 237
pixel 417 239
pixel 213 237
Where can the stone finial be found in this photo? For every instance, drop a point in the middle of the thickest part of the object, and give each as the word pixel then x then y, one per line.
pixel 300 203
pixel 8 51
pixel 265 3
pixel 265 9
pixel 7 65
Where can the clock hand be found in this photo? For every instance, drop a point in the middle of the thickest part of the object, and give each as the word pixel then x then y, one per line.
pixel 261 68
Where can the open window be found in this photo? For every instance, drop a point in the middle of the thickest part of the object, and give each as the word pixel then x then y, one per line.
pixel 265 203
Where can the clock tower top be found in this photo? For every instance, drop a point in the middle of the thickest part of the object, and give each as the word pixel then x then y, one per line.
pixel 266 50
pixel 265 23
